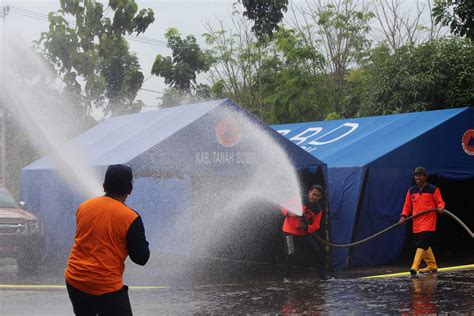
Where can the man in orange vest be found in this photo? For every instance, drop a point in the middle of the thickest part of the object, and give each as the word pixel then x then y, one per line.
pixel 421 197
pixel 299 230
pixel 107 232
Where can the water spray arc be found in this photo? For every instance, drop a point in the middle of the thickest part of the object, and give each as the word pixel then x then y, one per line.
pixel 242 177
pixel 32 98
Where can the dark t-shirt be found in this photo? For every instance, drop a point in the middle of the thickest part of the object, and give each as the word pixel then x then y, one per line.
pixel 313 207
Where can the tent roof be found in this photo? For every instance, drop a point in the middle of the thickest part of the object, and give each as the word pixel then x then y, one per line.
pixel 363 141
pixel 104 143
pixel 135 136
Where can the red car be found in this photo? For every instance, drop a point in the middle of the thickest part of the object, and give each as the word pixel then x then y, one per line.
pixel 21 234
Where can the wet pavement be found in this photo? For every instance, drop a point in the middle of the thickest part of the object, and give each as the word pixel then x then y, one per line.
pixel 262 293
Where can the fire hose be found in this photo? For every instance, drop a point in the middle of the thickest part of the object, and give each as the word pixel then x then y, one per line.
pixel 393 226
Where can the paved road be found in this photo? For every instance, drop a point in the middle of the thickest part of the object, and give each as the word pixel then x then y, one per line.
pixel 445 292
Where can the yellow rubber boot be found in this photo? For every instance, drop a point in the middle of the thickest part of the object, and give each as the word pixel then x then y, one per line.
pixel 430 260
pixel 416 261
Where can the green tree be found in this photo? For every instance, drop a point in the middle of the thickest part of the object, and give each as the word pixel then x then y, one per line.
pixel 172 96
pixel 292 90
pixel 287 69
pixel 92 54
pixel 457 14
pixel 180 70
pixel 279 82
pixel 339 29
pixel 434 75
pixel 236 59
pixel 266 15
pixel 396 26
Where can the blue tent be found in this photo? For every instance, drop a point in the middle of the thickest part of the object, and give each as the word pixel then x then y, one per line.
pixel 166 149
pixel 370 162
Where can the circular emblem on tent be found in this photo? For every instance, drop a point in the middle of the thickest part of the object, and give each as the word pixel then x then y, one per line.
pixel 468 142
pixel 228 132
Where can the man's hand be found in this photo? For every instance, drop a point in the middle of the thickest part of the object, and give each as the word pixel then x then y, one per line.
pixel 402 220
pixel 441 210
pixel 303 226
pixel 303 223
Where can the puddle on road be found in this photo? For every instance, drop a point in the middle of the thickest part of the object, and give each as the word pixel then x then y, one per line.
pixel 446 292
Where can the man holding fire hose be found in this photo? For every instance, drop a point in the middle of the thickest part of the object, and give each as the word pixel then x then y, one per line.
pixel 108 232
pixel 299 230
pixel 421 197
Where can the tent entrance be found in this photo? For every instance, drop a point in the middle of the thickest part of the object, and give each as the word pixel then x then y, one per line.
pixel 452 242
pixel 307 178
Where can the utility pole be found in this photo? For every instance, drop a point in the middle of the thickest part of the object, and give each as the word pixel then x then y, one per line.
pixel 4 10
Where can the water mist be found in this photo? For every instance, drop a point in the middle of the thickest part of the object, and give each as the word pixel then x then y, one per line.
pixel 30 94
pixel 225 208
pixel 236 195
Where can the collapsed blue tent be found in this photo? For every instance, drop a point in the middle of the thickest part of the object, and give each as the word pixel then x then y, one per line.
pixel 167 149
pixel 370 163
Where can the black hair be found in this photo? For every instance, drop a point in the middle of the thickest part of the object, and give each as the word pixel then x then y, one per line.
pixel 316 187
pixel 118 180
pixel 420 170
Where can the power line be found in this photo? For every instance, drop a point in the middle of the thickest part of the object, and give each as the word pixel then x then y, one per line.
pixel 29 16
pixel 155 40
pixel 44 17
pixel 4 10
pixel 140 40
pixel 154 91
pixel 29 12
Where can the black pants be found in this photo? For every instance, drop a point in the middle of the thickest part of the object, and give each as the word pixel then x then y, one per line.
pixel 294 242
pixel 110 304
pixel 423 240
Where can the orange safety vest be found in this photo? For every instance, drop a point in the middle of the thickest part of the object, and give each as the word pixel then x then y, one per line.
pixel 417 201
pixel 97 259
pixel 292 224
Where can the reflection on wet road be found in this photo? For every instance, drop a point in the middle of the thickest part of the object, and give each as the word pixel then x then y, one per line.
pixel 449 292
pixel 445 292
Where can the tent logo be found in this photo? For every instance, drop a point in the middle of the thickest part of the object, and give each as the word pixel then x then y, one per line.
pixel 228 132
pixel 468 142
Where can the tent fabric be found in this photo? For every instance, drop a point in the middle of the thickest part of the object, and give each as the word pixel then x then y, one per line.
pixel 127 137
pixel 162 147
pixel 381 205
pixel 344 191
pixel 122 138
pixel 388 148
